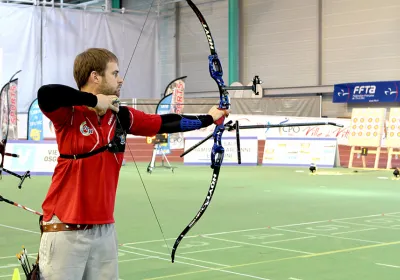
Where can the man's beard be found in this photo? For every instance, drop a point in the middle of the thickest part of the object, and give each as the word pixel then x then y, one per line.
pixel 105 89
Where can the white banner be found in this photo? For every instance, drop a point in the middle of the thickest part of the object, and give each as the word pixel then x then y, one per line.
pixel 325 131
pixel 39 157
pixel 202 154
pixel 287 151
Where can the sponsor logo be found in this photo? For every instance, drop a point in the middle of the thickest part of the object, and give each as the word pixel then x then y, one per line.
pixel 208 35
pixel 364 89
pixel 390 91
pixel 342 93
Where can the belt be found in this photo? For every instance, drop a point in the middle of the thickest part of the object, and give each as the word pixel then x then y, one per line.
pixel 64 227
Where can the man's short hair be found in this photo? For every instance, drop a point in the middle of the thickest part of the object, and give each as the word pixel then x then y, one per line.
pixel 93 59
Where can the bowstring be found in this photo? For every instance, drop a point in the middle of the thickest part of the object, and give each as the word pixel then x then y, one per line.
pixel 130 151
pixel 145 189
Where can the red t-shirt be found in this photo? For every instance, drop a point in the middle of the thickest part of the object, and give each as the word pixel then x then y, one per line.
pixel 83 191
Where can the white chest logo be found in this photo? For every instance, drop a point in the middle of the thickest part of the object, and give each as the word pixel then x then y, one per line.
pixel 85 129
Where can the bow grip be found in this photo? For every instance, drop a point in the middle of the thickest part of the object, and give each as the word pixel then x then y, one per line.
pixel 220 121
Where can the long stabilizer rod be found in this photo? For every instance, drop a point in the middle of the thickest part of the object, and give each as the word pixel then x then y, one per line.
pixel 20 206
pixel 230 127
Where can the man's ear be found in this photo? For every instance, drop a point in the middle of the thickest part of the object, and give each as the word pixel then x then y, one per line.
pixel 94 77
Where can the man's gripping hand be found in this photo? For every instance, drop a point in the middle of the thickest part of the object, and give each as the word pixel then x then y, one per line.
pixel 218 115
pixel 105 102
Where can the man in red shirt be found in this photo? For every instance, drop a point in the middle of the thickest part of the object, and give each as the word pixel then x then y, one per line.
pixel 78 235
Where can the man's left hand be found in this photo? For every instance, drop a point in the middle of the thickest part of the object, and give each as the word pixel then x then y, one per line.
pixel 217 113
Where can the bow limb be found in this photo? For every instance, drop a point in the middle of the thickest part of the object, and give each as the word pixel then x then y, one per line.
pixel 217 153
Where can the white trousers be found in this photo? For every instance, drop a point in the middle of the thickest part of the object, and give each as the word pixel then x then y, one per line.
pixel 82 254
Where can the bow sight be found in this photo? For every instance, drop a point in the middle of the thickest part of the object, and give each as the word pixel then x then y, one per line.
pixel 256 81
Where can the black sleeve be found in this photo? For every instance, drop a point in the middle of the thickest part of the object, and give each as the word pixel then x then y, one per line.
pixel 53 96
pixel 171 123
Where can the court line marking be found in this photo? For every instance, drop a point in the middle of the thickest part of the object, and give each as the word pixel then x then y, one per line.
pixel 10 265
pixel 3 276
pixel 388 265
pixel 21 229
pixel 258 245
pixel 15 256
pixel 197 265
pixel 366 225
pixel 292 278
pixel 286 240
pixel 136 259
pixel 396 215
pixel 227 232
pixel 208 250
pixel 327 235
pixel 284 259
pixel 344 232
pixel 256 229
pixel 155 252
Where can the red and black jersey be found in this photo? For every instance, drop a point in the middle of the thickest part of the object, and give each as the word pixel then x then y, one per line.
pixel 83 191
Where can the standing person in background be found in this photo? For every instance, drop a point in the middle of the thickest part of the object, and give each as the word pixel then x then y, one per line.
pixel 78 234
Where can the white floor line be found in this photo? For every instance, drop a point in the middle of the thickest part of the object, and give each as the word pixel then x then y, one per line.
pixel 344 232
pixel 331 236
pixel 4 276
pixel 388 265
pixel 12 257
pixel 216 249
pixel 137 259
pixel 194 236
pixel 259 245
pixel 10 265
pixel 256 229
pixel 21 229
pixel 201 266
pixel 394 215
pixel 367 225
pixel 340 219
pixel 155 252
pixel 286 240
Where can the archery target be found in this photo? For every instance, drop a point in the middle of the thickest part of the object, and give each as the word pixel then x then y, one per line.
pixel 366 127
pixel 393 128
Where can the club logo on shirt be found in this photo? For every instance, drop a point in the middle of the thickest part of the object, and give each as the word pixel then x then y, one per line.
pixel 85 129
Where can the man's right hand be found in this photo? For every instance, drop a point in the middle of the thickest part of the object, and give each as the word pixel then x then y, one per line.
pixel 105 102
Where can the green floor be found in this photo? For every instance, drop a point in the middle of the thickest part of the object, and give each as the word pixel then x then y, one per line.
pixel 263 223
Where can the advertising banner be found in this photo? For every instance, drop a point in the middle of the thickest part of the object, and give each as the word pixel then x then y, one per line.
pixel 202 154
pixel 35 122
pixel 40 157
pixel 286 151
pixel 367 92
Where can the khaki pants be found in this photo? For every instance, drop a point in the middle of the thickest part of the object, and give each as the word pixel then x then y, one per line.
pixel 82 254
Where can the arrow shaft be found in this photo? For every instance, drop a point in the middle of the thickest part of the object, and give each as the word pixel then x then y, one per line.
pixel 20 206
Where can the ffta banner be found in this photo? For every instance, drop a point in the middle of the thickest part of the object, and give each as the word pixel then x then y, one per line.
pixel 367 92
